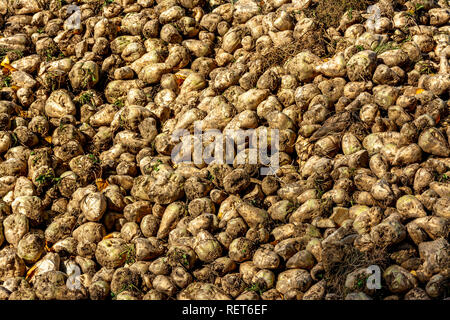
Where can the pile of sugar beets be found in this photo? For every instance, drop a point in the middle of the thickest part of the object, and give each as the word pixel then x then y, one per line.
pixel 94 207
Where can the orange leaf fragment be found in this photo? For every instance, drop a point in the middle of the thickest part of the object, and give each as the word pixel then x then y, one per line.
pixel 24 114
pixel 180 79
pixel 31 272
pixel 101 184
pixel 48 139
pixel 6 65
pixel 419 91
pixel 47 248
pixel 108 236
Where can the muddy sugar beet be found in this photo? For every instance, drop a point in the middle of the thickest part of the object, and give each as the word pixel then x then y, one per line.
pixel 95 204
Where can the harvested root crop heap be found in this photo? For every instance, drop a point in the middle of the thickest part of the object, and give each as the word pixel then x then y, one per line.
pixel 93 205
